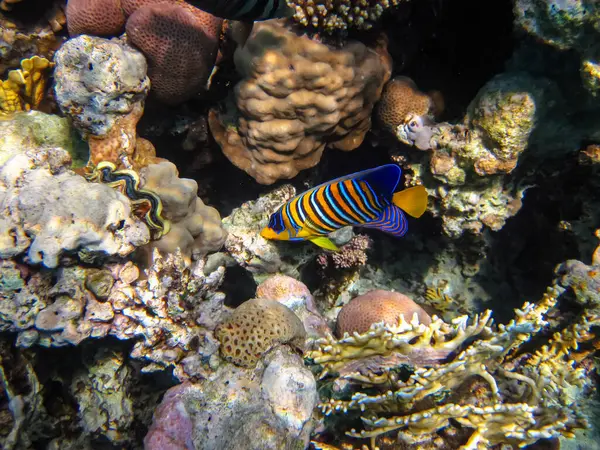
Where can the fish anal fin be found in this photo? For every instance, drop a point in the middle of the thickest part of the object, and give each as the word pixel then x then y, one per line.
pixel 324 242
pixel 413 201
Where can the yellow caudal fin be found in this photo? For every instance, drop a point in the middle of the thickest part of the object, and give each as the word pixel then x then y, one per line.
pixel 324 242
pixel 413 201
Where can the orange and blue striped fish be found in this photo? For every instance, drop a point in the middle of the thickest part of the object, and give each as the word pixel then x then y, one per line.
pixel 364 199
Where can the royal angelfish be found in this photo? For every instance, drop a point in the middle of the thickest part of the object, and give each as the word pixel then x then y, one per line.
pixel 249 10
pixel 363 199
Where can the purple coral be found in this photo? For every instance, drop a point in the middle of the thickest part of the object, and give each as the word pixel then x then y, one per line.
pixel 351 255
pixel 172 427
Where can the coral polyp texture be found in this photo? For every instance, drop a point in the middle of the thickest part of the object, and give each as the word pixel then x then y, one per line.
pixel 377 306
pixel 335 15
pixel 517 396
pixel 255 327
pixel 297 96
pixel 179 41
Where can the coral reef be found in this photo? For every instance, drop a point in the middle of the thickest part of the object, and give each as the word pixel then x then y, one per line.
pixel 101 390
pixel 269 407
pixel 565 25
pixel 37 36
pixel 68 223
pixel 179 41
pixel 469 159
pixel 297 96
pixel 35 129
pixel 529 392
pixel 296 296
pixel 377 306
pixel 168 311
pixel 255 327
pixel 400 99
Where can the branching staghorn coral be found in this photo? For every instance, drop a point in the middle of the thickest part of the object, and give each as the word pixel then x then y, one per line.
pixel 526 396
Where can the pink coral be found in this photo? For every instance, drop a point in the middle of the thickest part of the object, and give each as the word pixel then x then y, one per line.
pixel 172 427
pixel 377 306
pixel 180 42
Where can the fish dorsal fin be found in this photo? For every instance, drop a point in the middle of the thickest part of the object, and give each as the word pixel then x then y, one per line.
pixel 413 200
pixel 383 179
pixel 392 221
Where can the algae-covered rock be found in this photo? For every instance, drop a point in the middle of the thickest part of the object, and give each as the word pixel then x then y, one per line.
pixel 35 129
pixel 49 211
pixel 98 81
pixel 237 409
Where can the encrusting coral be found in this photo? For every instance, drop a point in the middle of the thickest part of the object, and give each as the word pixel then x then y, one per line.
pixel 195 228
pixel 527 394
pixel 180 41
pixel 250 250
pixel 24 88
pixel 297 96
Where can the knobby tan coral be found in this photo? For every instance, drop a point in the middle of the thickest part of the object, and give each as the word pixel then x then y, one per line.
pixel 297 96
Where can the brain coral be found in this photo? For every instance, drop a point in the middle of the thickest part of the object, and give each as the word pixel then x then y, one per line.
pixel 377 306
pixel 98 18
pixel 297 96
pixel 399 99
pixel 180 42
pixel 255 327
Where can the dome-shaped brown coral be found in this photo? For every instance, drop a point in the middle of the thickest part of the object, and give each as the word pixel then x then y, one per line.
pixel 377 306
pixel 180 43
pixel 282 287
pixel 255 327
pixel 98 18
pixel 400 98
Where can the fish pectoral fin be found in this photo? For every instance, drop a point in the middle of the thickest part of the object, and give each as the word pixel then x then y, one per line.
pixel 324 242
pixel 413 201
pixel 304 233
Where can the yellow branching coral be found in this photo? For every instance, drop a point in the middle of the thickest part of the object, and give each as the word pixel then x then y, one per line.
pixel 525 396
pixel 25 87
